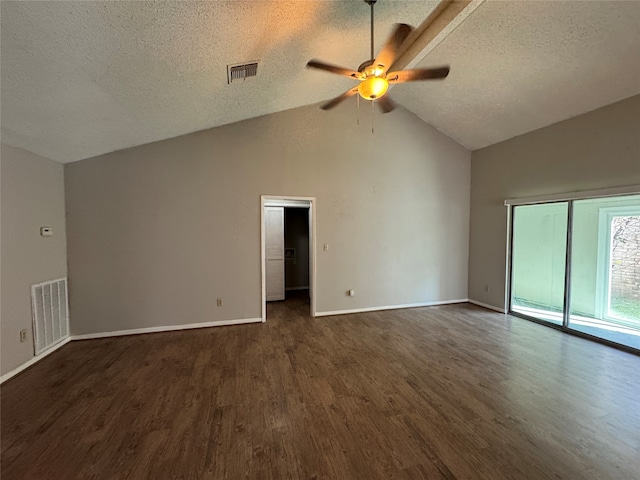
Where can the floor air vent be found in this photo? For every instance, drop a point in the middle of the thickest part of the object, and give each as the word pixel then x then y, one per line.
pixel 50 306
pixel 241 71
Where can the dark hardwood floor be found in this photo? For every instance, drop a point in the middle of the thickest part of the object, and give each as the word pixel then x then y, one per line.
pixel 454 392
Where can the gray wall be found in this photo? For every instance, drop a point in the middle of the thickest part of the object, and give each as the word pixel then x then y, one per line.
pixel 32 196
pixel 156 233
pixel 296 235
pixel 600 149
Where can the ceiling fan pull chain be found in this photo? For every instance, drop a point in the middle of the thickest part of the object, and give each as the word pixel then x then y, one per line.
pixel 358 110
pixel 372 112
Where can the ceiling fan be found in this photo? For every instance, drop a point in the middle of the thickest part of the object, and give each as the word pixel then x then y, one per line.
pixel 377 74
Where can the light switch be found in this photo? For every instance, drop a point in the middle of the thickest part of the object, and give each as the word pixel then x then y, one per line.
pixel 46 231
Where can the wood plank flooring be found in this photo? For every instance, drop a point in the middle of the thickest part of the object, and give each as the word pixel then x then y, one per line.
pixel 451 392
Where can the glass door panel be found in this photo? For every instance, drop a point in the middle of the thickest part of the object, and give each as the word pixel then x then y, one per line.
pixel 538 260
pixel 605 269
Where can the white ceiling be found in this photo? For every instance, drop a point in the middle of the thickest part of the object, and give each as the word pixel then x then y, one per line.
pixel 521 65
pixel 84 78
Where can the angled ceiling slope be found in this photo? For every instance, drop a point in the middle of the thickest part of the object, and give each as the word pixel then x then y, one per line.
pixel 84 78
pixel 81 79
pixel 522 65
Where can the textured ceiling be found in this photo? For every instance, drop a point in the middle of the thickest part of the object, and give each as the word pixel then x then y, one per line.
pixel 89 77
pixel 521 65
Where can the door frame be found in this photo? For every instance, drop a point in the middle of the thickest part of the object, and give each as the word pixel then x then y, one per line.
pixel 289 201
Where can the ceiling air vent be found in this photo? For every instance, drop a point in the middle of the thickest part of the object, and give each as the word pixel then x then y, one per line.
pixel 241 71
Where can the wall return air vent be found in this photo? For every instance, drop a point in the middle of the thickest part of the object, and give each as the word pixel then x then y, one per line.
pixel 241 71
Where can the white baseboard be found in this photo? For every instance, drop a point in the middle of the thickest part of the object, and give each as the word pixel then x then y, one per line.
pixel 390 307
pixel 168 328
pixel 486 305
pixel 290 289
pixel 119 333
pixel 220 323
pixel 33 360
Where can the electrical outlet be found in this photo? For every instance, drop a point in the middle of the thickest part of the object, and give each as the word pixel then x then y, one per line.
pixel 486 287
pixel 351 293
pixel 219 302
pixel 23 335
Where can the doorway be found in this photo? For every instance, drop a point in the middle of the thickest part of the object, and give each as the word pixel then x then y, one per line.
pixel 287 249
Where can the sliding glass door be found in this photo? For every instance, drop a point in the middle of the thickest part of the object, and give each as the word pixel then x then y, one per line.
pixel 591 284
pixel 605 269
pixel 538 260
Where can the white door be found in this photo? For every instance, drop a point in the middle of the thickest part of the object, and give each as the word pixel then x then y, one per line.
pixel 274 252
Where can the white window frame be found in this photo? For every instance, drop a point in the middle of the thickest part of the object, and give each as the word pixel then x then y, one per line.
pixel 603 270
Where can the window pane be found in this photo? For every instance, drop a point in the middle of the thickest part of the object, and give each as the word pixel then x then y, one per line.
pixel 605 269
pixel 538 260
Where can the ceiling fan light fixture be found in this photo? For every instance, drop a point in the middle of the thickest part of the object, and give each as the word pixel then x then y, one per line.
pixel 373 87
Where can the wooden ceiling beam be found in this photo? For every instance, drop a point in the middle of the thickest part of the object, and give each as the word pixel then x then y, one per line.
pixel 447 15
